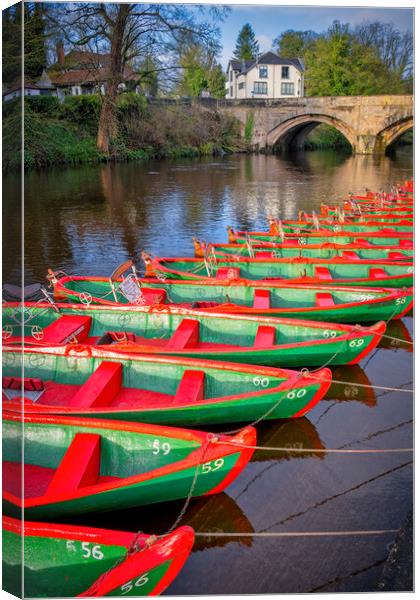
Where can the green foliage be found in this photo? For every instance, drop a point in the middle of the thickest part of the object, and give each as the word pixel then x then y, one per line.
pixel 148 75
pixel 293 44
pixel 200 72
pixel 47 105
pixel 131 105
pixel 249 128
pixel 216 82
pixel 373 58
pixel 325 136
pixel 11 37
pixel 35 39
pixel 83 110
pixel 247 46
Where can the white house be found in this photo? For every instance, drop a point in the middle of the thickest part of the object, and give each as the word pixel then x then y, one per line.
pixel 268 77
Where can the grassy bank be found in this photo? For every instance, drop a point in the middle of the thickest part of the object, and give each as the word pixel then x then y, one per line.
pixel 66 133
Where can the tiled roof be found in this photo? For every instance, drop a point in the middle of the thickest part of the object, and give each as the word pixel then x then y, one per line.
pixel 81 76
pixel 268 58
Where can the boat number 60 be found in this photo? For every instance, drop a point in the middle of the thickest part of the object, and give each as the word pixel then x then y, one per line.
pixel 356 343
pixel 127 587
pixel 211 466
pixel 296 394
pixel 261 381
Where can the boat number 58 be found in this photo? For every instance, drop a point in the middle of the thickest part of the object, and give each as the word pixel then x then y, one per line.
pixel 127 587
pixel 211 466
pixel 400 300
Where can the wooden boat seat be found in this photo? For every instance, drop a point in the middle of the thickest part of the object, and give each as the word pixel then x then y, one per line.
pixel 228 273
pixel 324 300
pixel 111 337
pixel 406 243
pixel 349 254
pixel 79 466
pixel 203 304
pixel 364 243
pixel 323 273
pixel 397 256
pixel 30 384
pixel 66 327
pixel 375 273
pixel 262 299
pixel 154 295
pixel 191 387
pixel 264 254
pixel 101 387
pixel 265 336
pixel 186 335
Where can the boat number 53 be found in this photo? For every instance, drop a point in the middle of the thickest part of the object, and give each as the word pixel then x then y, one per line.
pixel 213 465
pixel 127 587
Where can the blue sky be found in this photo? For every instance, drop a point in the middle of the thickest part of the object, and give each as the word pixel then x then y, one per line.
pixel 269 21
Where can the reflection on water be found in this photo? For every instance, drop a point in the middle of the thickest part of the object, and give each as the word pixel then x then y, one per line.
pixel 89 219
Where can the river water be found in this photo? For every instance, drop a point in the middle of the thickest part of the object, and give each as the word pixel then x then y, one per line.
pixel 87 220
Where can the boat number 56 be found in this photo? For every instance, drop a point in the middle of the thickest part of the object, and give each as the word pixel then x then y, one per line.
pixel 211 466
pixel 88 550
pixel 127 587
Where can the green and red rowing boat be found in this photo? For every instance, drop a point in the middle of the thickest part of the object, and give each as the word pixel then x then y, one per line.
pixel 75 465
pixel 74 561
pixel 269 250
pixel 86 381
pixel 334 271
pixel 399 225
pixel 185 333
pixel 314 302
pixel 385 238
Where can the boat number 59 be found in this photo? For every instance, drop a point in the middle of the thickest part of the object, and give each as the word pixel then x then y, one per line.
pixel 127 587
pixel 211 466
pixel 161 447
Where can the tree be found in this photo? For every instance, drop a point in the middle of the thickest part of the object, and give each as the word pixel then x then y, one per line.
pixel 35 52
pixel 201 72
pixel 12 36
pixel 127 32
pixel 293 44
pixel 247 47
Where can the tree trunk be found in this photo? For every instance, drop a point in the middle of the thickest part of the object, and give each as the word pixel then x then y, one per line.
pixel 107 128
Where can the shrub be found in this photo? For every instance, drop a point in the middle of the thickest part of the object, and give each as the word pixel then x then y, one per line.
pixel 44 105
pixel 84 110
pixel 130 104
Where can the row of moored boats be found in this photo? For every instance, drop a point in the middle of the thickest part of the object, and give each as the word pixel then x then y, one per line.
pixel 106 373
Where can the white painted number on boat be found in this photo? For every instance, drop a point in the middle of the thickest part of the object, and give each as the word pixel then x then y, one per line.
pixel 87 549
pixel 127 587
pixel 356 343
pixel 400 300
pixel 410 269
pixel 296 394
pixel 261 381
pixel 329 334
pixel 212 465
pixel 158 447
pixel 366 297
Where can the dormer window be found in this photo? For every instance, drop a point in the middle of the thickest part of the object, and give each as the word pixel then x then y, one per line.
pixel 263 72
pixel 285 72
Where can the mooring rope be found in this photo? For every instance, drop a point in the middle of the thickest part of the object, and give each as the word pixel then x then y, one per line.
pixel 295 533
pixel 320 450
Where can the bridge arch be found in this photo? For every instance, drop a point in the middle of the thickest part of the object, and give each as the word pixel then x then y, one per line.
pixel 391 134
pixel 294 130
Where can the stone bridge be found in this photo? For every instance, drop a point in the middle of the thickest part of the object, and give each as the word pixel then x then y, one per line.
pixel 371 124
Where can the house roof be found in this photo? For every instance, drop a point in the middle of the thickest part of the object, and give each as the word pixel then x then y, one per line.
pixel 17 85
pixel 268 58
pixel 82 67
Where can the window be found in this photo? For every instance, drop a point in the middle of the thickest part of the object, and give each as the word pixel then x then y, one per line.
pixel 285 72
pixel 231 90
pixel 231 76
pixel 241 86
pixel 287 89
pixel 263 72
pixel 260 87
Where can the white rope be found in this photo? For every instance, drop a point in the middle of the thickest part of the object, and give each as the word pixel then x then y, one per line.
pixel 365 385
pixel 295 533
pixel 320 450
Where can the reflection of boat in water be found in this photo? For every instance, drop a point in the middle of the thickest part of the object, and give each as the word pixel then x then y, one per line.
pixel 343 392
pixel 397 329
pixel 291 433
pixel 203 514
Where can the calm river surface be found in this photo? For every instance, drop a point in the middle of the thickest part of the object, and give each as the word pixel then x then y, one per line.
pixel 88 220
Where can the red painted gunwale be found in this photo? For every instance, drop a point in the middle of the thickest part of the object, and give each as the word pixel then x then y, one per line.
pixel 348 331
pixel 261 245
pixel 329 232
pixel 175 547
pixel 215 449
pixel 392 294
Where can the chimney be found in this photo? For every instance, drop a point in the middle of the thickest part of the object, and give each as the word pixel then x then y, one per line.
pixel 60 53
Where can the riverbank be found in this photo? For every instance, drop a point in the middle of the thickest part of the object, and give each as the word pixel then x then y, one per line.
pixel 65 134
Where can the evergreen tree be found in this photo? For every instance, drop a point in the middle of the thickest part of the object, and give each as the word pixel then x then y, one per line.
pixel 35 58
pixel 247 47
pixel 12 35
